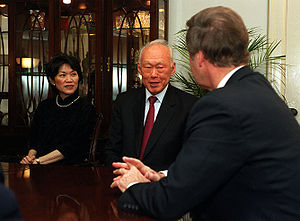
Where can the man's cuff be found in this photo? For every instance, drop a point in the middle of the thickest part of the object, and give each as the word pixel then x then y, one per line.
pixel 164 172
pixel 131 184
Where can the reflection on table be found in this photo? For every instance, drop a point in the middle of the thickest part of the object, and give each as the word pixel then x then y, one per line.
pixel 65 193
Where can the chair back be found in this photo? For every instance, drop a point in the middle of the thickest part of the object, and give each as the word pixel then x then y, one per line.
pixel 95 136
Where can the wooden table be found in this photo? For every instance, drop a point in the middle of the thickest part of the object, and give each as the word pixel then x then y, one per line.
pixel 61 192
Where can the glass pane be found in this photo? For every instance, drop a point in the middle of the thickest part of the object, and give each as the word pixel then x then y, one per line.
pixel 131 30
pixel 31 55
pixel 78 38
pixel 161 19
pixel 4 65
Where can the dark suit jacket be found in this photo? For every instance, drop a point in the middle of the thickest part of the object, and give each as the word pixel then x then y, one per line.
pixel 9 209
pixel 240 160
pixel 166 137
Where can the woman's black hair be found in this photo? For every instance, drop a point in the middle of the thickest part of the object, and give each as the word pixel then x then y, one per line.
pixel 54 64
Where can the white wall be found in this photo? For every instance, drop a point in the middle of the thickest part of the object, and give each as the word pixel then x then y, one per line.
pixel 284 24
pixel 293 54
pixel 254 12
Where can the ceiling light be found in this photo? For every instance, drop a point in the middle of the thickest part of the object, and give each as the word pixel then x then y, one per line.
pixel 67 2
pixel 82 6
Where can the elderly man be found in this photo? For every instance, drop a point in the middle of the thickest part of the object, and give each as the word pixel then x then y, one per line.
pixel 152 132
pixel 241 155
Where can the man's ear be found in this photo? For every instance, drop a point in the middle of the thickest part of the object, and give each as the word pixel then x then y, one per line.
pixel 200 57
pixel 139 67
pixel 173 68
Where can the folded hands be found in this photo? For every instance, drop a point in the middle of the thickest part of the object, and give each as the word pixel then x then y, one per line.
pixel 133 171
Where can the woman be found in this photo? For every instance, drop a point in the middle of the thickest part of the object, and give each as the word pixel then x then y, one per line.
pixel 61 125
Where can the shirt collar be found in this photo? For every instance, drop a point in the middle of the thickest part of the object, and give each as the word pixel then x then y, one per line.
pixel 223 82
pixel 160 96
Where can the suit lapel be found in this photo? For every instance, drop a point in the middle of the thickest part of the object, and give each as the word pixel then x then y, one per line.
pixel 165 114
pixel 138 112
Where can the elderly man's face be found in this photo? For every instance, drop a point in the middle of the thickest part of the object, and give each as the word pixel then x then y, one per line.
pixel 156 68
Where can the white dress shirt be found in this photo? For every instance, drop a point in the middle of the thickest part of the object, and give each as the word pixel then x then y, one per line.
pixel 160 96
pixel 223 82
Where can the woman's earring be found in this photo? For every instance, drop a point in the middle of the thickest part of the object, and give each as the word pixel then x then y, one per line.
pixel 54 85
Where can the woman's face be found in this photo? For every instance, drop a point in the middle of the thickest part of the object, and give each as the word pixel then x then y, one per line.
pixel 66 81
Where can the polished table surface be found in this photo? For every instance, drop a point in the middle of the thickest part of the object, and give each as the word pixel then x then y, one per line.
pixel 47 192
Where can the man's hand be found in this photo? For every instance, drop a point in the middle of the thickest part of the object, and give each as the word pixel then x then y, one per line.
pixel 28 160
pixel 127 176
pixel 145 170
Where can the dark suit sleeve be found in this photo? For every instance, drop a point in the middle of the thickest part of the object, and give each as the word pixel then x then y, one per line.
pixel 113 149
pixel 9 209
pixel 211 154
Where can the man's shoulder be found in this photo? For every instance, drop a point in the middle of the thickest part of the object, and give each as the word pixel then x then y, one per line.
pixel 131 93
